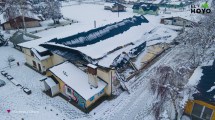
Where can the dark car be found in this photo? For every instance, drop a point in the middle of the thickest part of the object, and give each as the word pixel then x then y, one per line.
pixel 27 91
pixel 9 77
pixel 4 73
pixel 2 83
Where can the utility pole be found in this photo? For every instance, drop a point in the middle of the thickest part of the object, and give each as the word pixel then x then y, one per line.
pixel 118 7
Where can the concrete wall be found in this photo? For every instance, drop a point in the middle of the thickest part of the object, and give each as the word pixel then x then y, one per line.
pixel 61 84
pixel 56 59
pixel 107 76
pixel 32 24
pixel 96 97
pixel 45 64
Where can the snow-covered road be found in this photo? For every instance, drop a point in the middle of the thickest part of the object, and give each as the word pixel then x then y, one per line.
pixel 138 104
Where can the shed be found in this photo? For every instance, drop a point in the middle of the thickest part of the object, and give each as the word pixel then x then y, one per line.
pixel 178 21
pixel 75 86
pixel 149 9
pixel 51 86
pixel 117 7
pixel 17 23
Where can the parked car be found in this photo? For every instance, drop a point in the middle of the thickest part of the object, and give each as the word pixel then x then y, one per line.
pixel 27 91
pixel 15 82
pixel 9 77
pixel 4 73
pixel 107 7
pixel 2 83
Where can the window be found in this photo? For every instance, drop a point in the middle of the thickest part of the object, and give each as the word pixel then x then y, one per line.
pixel 92 98
pixel 34 64
pixel 201 112
pixel 197 110
pixel 101 92
pixel 32 54
pixel 207 113
pixel 69 91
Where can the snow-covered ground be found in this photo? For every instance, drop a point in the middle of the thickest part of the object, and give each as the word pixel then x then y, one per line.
pixel 137 104
pixel 39 106
pixel 31 106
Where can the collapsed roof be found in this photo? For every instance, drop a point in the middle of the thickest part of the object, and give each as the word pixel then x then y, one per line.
pixel 101 42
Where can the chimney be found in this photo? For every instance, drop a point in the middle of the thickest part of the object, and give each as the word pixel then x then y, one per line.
pixel 92 75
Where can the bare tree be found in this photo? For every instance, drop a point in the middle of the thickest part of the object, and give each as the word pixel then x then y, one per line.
pixel 168 85
pixel 200 39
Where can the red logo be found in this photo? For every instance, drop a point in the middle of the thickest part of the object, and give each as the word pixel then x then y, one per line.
pixel 8 111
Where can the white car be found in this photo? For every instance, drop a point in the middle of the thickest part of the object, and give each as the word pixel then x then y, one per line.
pixel 27 91
pixel 9 77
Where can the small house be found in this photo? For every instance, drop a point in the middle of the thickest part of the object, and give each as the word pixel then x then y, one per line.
pixel 177 21
pixel 107 8
pixel 78 86
pixel 203 105
pixel 37 57
pixel 17 23
pixel 149 9
pixel 145 8
pixel 51 86
pixel 117 7
pixel 137 6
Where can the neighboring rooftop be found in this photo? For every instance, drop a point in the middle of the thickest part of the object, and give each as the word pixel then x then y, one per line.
pixel 206 85
pixel 150 7
pixel 21 37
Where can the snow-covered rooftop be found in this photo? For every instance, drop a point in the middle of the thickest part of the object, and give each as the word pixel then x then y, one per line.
pixel 38 55
pixel 92 66
pixel 91 13
pixel 50 82
pixel 109 40
pixel 76 79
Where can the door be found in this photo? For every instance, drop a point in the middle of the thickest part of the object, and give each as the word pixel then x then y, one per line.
pixel 39 67
pixel 34 64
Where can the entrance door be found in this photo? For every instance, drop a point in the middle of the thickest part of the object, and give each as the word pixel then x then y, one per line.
pixel 34 64
pixel 39 67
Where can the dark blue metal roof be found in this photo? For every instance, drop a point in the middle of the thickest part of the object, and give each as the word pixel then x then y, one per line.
pixel 99 34
pixel 207 81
